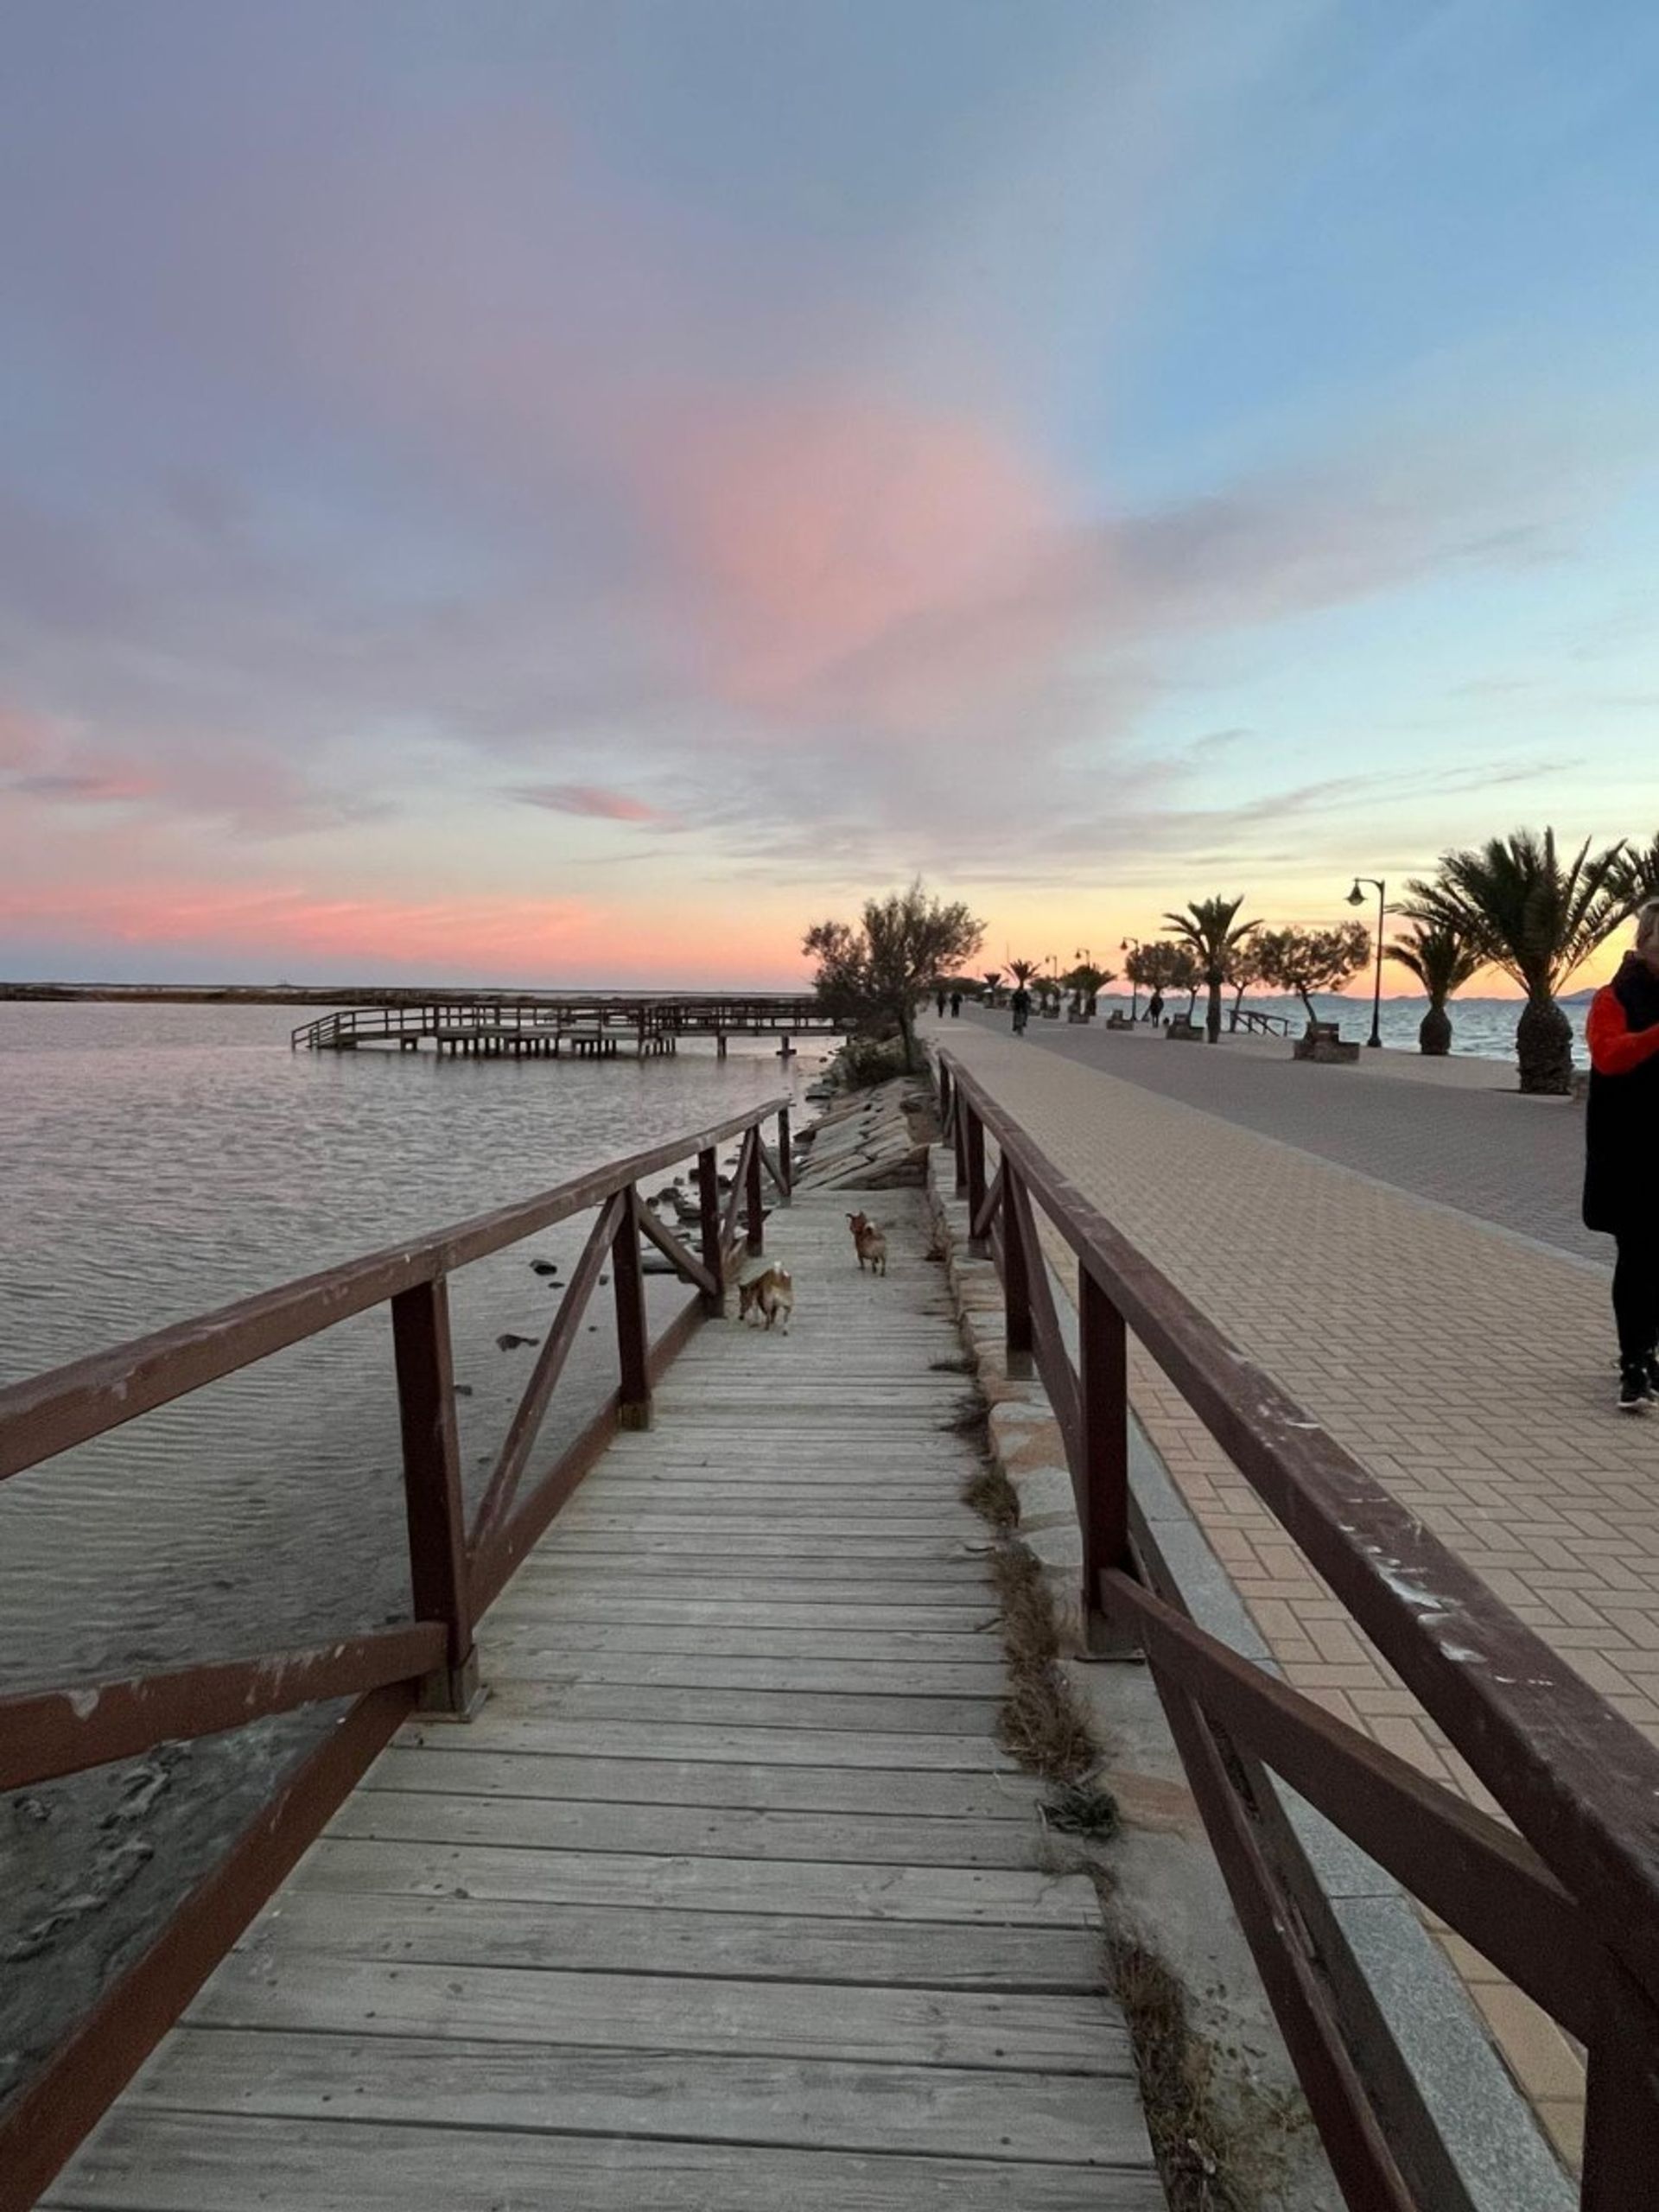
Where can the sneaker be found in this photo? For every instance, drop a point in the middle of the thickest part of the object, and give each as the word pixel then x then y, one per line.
pixel 1635 1391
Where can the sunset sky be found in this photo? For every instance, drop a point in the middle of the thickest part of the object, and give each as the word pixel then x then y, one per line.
pixel 573 493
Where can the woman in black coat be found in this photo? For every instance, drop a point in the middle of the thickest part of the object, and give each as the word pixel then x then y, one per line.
pixel 1621 1188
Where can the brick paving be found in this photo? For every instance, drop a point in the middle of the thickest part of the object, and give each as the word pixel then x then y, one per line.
pixel 1471 1373
pixel 1460 1133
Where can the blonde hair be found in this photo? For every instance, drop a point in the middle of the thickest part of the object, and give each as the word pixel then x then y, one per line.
pixel 1647 923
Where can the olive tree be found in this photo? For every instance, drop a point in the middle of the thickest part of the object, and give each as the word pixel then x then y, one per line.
pixel 1305 961
pixel 876 973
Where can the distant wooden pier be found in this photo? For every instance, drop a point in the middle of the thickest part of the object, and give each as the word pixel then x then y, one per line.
pixel 586 1027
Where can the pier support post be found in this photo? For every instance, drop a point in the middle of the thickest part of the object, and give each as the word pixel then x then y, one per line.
pixel 1017 1263
pixel 1103 1398
pixel 977 1247
pixel 437 1528
pixel 714 1258
pixel 786 1164
pixel 754 1208
pixel 633 1339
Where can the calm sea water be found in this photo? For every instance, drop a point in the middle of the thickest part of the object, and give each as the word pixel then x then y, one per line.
pixel 161 1160
pixel 1483 1028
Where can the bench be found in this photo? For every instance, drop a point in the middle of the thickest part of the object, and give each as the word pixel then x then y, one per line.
pixel 1324 1042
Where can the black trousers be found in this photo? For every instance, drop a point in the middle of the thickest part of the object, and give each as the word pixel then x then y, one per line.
pixel 1635 1293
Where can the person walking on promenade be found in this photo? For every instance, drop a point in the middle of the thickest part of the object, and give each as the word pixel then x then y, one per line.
pixel 956 1005
pixel 938 1004
pixel 1620 1187
pixel 1155 1008
pixel 1020 1003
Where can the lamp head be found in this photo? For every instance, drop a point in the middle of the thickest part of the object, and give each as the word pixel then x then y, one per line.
pixel 1356 897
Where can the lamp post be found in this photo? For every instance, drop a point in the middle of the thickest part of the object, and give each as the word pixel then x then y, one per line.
pixel 1083 953
pixel 1132 944
pixel 1356 897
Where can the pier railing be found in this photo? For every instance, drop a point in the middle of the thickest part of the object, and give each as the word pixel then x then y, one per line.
pixel 549 1017
pixel 456 1569
pixel 1565 1903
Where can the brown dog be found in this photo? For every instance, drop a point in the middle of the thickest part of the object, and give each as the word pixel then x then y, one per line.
pixel 772 1294
pixel 868 1243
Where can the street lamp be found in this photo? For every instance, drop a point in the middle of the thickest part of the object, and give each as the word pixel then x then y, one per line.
pixel 1356 897
pixel 1132 944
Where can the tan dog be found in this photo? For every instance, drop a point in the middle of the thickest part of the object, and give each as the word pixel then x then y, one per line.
pixel 868 1243
pixel 772 1294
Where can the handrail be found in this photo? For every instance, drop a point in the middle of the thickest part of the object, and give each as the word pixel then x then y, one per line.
pixel 1569 1908
pixel 454 1574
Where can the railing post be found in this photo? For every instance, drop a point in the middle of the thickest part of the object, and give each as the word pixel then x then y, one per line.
pixel 1017 1264
pixel 439 1582
pixel 708 1223
pixel 1104 1395
pixel 1621 2120
pixel 977 1247
pixel 959 1141
pixel 633 1338
pixel 754 1210
pixel 786 1166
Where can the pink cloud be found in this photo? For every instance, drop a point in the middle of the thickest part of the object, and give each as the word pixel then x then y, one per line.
pixel 836 544
pixel 24 738
pixel 586 799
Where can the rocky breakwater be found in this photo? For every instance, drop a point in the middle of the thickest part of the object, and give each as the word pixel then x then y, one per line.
pixel 873 1140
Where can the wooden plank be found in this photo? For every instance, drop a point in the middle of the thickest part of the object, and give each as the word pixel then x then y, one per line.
pixel 151 2161
pixel 581 1604
pixel 738 1640
pixel 605 1545
pixel 549 1582
pixel 618 2012
pixel 435 1764
pixel 522 1654
pixel 1005 1896
pixel 895 1752
pixel 809 1712
pixel 784 2103
pixel 543 1824
pixel 618 1939
pixel 705 1556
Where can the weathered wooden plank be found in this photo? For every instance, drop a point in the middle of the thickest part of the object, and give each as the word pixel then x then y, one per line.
pixel 488 1767
pixel 915 1554
pixel 738 1590
pixel 999 2031
pixel 809 1712
pixel 528 1659
pixel 784 2103
pixel 579 1604
pixel 1005 1896
pixel 737 1640
pixel 540 1824
pixel 150 2161
pixel 896 1752
pixel 619 1939
pixel 706 1557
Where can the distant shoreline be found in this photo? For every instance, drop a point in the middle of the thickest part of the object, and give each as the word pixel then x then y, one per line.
pixel 345 993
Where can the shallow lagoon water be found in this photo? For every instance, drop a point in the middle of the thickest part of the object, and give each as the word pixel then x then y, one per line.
pixel 161 1160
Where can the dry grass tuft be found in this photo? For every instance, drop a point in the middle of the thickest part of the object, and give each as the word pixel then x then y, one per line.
pixel 992 1496
pixel 1041 1725
pixel 1175 2068
pixel 958 1364
pixel 1084 1809
pixel 1028 1636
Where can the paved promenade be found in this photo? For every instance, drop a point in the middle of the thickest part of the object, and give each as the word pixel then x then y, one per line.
pixel 1454 1130
pixel 727 1898
pixel 1472 1373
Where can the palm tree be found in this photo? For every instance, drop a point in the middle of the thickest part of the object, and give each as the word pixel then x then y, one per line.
pixel 1443 960
pixel 1523 909
pixel 1209 928
pixel 1086 983
pixel 993 978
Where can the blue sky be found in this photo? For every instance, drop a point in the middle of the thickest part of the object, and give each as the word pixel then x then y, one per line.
pixel 577 492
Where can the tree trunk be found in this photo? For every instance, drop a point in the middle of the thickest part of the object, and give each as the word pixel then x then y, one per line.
pixel 1434 1031
pixel 1212 1019
pixel 907 1032
pixel 1308 1003
pixel 1543 1048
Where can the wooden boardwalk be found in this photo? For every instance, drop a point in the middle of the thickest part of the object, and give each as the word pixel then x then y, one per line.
pixel 727 1902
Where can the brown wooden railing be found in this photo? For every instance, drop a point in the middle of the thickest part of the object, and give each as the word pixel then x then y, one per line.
pixel 455 1571
pixel 1566 1903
